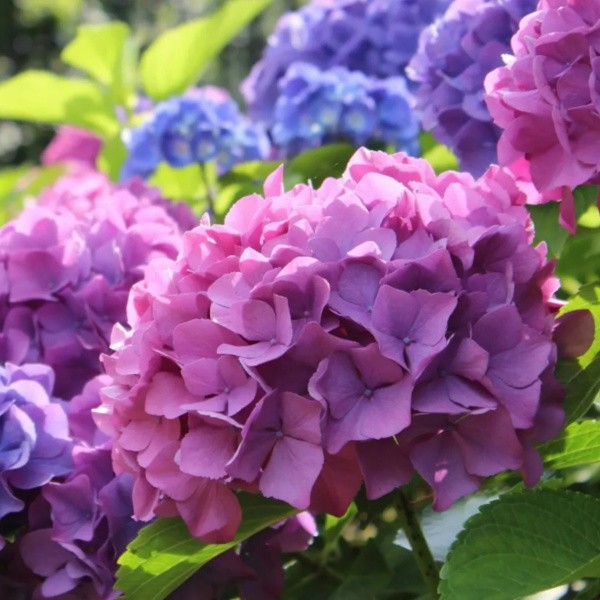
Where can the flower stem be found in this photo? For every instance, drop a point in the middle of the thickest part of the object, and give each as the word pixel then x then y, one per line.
pixel 422 553
pixel 210 191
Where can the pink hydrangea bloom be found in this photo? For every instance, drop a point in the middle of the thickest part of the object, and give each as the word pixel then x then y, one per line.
pixel 67 263
pixel 319 339
pixel 73 145
pixel 546 98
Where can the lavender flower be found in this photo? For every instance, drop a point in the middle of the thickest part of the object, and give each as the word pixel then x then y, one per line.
pixel 455 54
pixel 67 263
pixel 203 125
pixel 35 444
pixel 79 527
pixel 375 37
pixel 317 107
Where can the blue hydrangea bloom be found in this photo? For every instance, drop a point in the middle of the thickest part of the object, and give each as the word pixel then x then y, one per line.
pixel 205 124
pixel 375 37
pixel 316 107
pixel 35 445
pixel 455 54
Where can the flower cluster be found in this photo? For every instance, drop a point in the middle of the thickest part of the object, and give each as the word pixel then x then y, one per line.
pixel 78 527
pixel 205 124
pixel 67 264
pixel 35 444
pixel 316 107
pixel 390 321
pixel 455 54
pixel 375 37
pixel 546 98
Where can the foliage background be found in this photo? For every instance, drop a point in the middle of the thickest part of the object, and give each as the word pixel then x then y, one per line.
pixel 33 32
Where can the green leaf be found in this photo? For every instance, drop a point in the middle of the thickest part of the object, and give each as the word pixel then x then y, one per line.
pixel 43 97
pixel 176 59
pixel 582 391
pixel 179 184
pixel 522 544
pixel 547 227
pixel 107 53
pixel 317 164
pixel 588 297
pixel 112 156
pixel 441 158
pixel 164 554
pixel 577 445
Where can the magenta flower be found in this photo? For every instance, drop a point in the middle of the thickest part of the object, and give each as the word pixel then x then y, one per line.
pixel 321 339
pixel 545 98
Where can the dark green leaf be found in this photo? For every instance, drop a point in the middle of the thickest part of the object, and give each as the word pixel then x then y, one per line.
pixel 315 165
pixel 176 59
pixel 43 97
pixel 164 554
pixel 522 544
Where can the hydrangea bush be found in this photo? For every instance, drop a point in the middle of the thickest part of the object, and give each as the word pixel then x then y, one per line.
pixel 306 386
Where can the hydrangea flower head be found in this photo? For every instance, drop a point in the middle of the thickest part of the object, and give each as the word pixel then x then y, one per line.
pixel 545 99
pixel 67 263
pixel 374 37
pixel 35 444
pixel 455 54
pixel 78 528
pixel 390 321
pixel 204 124
pixel 317 107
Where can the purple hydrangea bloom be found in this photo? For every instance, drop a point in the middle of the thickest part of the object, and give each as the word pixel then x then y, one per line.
pixel 67 263
pixel 391 321
pixel 203 125
pixel 316 107
pixel 78 527
pixel 256 568
pixel 35 444
pixel 375 37
pixel 455 54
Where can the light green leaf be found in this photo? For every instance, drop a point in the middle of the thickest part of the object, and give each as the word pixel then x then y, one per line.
pixel 43 97
pixel 441 158
pixel 164 554
pixel 177 58
pixel 105 52
pixel 112 156
pixel 522 544
pixel 547 227
pixel 583 390
pixel 180 184
pixel 577 445
pixel 19 183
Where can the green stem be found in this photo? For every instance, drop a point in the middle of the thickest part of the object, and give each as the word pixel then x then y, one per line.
pixel 319 567
pixel 422 553
pixel 210 191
